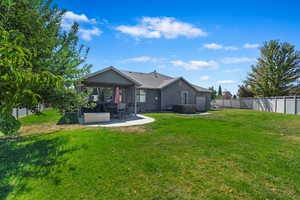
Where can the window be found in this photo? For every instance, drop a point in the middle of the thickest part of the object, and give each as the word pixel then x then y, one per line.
pixel 141 96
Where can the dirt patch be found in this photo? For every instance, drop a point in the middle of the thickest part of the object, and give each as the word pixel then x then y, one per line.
pixel 46 128
pixel 131 129
pixel 293 138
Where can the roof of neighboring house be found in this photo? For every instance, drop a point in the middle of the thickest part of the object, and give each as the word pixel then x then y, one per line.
pixel 152 80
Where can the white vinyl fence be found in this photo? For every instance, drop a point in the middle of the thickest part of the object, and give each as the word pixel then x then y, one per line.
pixel 22 112
pixel 287 105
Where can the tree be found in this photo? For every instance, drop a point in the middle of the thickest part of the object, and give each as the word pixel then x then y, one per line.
pixel 220 91
pixel 38 57
pixel 17 79
pixel 276 71
pixel 244 91
pixel 295 91
pixel 213 92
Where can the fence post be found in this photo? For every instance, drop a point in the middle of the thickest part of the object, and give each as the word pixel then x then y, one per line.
pixel 295 99
pixel 284 103
pixel 276 104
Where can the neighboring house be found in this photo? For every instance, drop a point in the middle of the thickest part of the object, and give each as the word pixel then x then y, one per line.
pixel 227 95
pixel 150 92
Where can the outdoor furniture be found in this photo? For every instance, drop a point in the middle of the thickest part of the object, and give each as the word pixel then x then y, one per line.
pixel 121 110
pixel 96 117
pixel 110 108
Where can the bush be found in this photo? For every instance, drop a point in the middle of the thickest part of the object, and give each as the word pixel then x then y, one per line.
pixel 186 108
pixel 68 118
pixel 8 124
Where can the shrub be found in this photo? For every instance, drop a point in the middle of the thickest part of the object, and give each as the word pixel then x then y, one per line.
pixel 185 108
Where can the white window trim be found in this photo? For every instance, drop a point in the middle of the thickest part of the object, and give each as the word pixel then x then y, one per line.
pixel 139 93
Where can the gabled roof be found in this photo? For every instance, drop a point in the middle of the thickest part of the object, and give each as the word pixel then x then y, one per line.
pixel 115 70
pixel 152 80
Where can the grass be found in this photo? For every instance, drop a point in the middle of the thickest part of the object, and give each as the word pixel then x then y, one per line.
pixel 230 154
pixel 47 116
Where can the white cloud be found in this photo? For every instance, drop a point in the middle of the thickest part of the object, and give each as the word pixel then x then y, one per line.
pixel 69 15
pixel 138 31
pixel 195 64
pixel 226 82
pixel 144 59
pixel 213 46
pixel 249 46
pixel 219 47
pixel 234 60
pixel 204 78
pixel 158 27
pixel 233 70
pixel 86 34
pixel 231 48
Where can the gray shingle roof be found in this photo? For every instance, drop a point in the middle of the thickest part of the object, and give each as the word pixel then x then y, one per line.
pixel 152 80
pixel 155 80
pixel 201 89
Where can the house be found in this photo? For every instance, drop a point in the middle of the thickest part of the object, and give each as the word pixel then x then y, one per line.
pixel 227 95
pixel 149 92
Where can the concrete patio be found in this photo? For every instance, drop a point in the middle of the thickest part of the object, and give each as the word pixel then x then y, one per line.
pixel 132 121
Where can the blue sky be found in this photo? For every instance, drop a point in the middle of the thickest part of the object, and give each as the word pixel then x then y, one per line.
pixel 210 43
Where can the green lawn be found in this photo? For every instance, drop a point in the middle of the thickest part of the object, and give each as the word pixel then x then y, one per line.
pixel 230 154
pixel 44 117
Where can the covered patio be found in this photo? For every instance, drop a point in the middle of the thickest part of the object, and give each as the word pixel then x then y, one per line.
pixel 113 93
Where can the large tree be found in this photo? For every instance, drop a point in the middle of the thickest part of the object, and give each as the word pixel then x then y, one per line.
pixel 245 91
pixel 37 57
pixel 276 71
pixel 18 81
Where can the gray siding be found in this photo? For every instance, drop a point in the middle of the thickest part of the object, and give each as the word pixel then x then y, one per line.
pixel 108 78
pixel 151 104
pixel 171 95
pixel 130 99
pixel 207 96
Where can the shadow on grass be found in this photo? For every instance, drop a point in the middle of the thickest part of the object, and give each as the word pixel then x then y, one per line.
pixel 30 157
